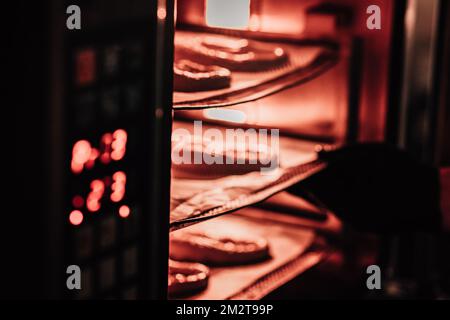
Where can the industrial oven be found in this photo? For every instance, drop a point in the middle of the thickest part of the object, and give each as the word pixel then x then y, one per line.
pixel 344 82
pixel 101 98
pixel 110 199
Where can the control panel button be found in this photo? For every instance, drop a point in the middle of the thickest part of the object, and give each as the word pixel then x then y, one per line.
pixel 85 109
pixel 110 103
pixel 107 273
pixel 111 62
pixel 130 263
pixel 84 241
pixel 107 231
pixel 134 57
pixel 85 67
pixel 133 98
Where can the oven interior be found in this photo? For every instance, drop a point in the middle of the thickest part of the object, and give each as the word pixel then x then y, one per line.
pixel 333 90
pixel 275 81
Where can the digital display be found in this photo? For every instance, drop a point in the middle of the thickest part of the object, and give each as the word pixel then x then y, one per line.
pixel 100 188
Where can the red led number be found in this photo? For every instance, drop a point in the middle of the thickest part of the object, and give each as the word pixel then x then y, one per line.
pixel 85 67
pixel 76 217
pixel 124 211
pixel 96 194
pixel 81 153
pixel 84 156
pixel 112 147
pixel 118 186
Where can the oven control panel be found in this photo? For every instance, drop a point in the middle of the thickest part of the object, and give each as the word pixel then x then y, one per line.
pixel 109 126
pixel 106 95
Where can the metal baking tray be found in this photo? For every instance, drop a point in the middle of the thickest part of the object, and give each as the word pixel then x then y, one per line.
pixel 290 255
pixel 306 62
pixel 225 195
pixel 196 200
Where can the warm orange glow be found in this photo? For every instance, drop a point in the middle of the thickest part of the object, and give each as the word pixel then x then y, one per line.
pixel 94 154
pixel 76 167
pixel 119 144
pixel 81 153
pixel 98 187
pixel 120 176
pixel 105 158
pixel 92 158
pixel 228 115
pixel 76 217
pixel 255 23
pixel 96 194
pixel 118 186
pixel 231 14
pixel 116 196
pixel 279 52
pixel 106 142
pixel 124 211
pixel 162 13
pixel 92 204
pixel 107 139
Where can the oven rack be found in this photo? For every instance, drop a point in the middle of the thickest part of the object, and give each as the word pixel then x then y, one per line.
pixel 306 62
pixel 292 250
pixel 279 277
pixel 181 218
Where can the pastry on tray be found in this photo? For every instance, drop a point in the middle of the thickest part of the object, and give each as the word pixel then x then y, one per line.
pixel 186 277
pixel 200 158
pixel 215 249
pixel 235 54
pixel 189 76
